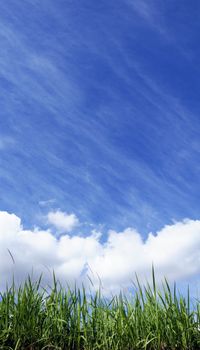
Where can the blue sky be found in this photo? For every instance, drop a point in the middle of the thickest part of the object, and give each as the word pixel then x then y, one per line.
pixel 99 112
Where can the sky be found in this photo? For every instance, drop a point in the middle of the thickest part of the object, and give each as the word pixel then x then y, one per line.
pixel 99 139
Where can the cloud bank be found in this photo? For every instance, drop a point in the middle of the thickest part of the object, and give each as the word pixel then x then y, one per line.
pixel 174 251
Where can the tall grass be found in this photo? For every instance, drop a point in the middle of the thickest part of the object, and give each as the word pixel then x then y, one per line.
pixel 32 318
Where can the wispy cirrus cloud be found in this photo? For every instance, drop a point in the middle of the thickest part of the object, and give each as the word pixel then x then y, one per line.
pixel 100 126
pixel 6 142
pixel 152 14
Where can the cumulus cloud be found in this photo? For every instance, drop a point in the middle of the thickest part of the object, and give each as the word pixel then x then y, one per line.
pixel 174 251
pixel 62 221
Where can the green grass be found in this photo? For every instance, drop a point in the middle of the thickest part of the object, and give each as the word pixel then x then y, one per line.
pixel 32 318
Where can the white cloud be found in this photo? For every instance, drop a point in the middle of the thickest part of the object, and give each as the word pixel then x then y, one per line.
pixel 174 251
pixel 62 221
pixel 47 202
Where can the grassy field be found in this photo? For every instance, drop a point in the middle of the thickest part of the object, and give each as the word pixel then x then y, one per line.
pixel 32 318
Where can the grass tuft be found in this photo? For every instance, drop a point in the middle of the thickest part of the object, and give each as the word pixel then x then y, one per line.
pixel 31 318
